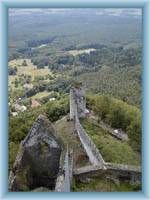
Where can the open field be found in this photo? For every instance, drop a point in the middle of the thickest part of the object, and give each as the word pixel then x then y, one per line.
pixel 30 69
pixel 11 79
pixel 40 95
pixel 78 52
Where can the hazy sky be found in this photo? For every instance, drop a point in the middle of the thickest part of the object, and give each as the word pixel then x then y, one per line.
pixel 96 11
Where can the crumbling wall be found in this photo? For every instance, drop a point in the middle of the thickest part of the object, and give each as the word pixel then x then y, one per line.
pixel 113 171
pixel 77 103
pixel 93 153
pixel 64 178
pixel 37 162
pixel 131 174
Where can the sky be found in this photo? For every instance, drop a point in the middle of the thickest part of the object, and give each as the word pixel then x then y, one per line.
pixel 135 12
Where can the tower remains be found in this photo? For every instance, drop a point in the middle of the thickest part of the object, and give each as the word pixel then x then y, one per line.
pixel 77 101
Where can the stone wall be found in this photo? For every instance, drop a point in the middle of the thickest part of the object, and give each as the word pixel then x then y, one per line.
pixel 72 105
pixel 77 98
pixel 93 153
pixel 116 172
pixel 64 178
pixel 37 162
pixel 119 172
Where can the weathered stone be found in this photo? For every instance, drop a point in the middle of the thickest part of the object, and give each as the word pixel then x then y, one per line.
pixel 64 179
pixel 37 162
pixel 93 153
pixel 114 172
pixel 77 111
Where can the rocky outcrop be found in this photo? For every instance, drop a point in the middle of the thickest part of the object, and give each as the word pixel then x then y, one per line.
pixel 37 162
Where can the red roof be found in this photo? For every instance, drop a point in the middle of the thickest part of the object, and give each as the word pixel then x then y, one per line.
pixel 35 103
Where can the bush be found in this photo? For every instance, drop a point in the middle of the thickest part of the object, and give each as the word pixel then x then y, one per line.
pixel 12 71
pixel 24 63
pixel 56 109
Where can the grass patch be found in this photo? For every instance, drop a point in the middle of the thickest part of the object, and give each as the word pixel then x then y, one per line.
pixel 30 69
pixel 112 149
pixel 13 150
pixel 65 131
pixel 103 185
pixel 40 95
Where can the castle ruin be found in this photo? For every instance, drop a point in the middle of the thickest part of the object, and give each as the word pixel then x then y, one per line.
pixel 42 163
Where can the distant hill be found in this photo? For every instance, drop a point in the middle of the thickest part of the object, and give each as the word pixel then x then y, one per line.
pixel 70 27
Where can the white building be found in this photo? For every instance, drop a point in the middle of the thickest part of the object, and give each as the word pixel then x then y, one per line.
pixel 14 114
pixel 52 99
pixel 20 108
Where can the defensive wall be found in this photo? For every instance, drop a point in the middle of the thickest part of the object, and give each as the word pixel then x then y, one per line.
pixel 98 166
